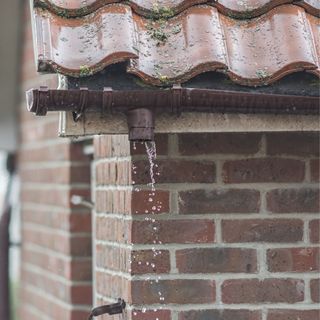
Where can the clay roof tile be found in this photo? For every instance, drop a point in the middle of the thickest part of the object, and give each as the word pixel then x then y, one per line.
pixel 255 42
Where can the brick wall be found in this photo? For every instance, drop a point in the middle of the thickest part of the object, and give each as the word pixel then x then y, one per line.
pixel 231 232
pixel 56 237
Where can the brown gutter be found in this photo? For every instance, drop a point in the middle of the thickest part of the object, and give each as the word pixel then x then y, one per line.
pixel 174 100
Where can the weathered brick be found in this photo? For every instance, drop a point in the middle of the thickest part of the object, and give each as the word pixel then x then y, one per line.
pixel 64 220
pixel 117 286
pixel 224 143
pixel 314 228
pixel 113 229
pixel 113 201
pixel 108 146
pixel 174 171
pixel 315 289
pixel 73 245
pixel 223 314
pixel 219 201
pixel 216 260
pixel 57 175
pixel 293 260
pixel 293 143
pixel 161 142
pixel 173 231
pixel 263 170
pixel 262 291
pixel 112 257
pixel 113 173
pixel 78 269
pixel 264 230
pixel 173 291
pixel 150 261
pixel 144 202
pixel 151 315
pixel 293 314
pixel 57 197
pixel 293 200
pixel 314 170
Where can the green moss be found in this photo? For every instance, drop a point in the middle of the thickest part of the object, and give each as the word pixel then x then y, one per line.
pixel 161 13
pixel 85 71
pixel 262 74
pixel 157 32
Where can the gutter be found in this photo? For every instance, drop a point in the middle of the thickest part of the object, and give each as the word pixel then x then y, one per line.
pixel 141 106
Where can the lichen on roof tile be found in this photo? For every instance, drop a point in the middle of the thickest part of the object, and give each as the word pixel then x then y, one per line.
pixel 166 49
pixel 238 9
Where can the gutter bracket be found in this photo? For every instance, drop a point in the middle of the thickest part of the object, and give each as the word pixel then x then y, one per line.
pixel 83 102
pixel 176 99
pixel 107 101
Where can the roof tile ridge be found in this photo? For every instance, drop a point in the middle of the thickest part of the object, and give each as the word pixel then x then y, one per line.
pixel 169 12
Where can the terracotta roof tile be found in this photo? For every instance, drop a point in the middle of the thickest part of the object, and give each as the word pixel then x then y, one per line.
pixel 239 9
pixel 251 52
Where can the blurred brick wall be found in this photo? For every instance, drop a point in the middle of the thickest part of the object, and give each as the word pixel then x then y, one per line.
pixel 237 234
pixel 56 237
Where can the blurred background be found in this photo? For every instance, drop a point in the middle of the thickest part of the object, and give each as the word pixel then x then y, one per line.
pixel 11 25
pixel 37 174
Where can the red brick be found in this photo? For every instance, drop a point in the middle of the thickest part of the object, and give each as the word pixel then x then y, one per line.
pixel 76 293
pixel 60 151
pixel 64 174
pixel 262 291
pixel 293 315
pixel 57 197
pixel 161 142
pixel 57 152
pixel 263 170
pixel 314 168
pixel 113 229
pixel 314 228
pixel 102 146
pixel 293 200
pixel 151 315
pixel 173 231
pixel 174 171
pixel 293 260
pixel 108 146
pixel 81 294
pixel 173 291
pixel 148 261
pixel 73 245
pixel 219 201
pixel 113 286
pixel 315 289
pixel 41 132
pixel 112 257
pixel 113 173
pixel 264 230
pixel 67 221
pixel 216 260
pixel 78 269
pixel 220 315
pixel 141 203
pixel 113 201
pixel 224 143
pixel 293 143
